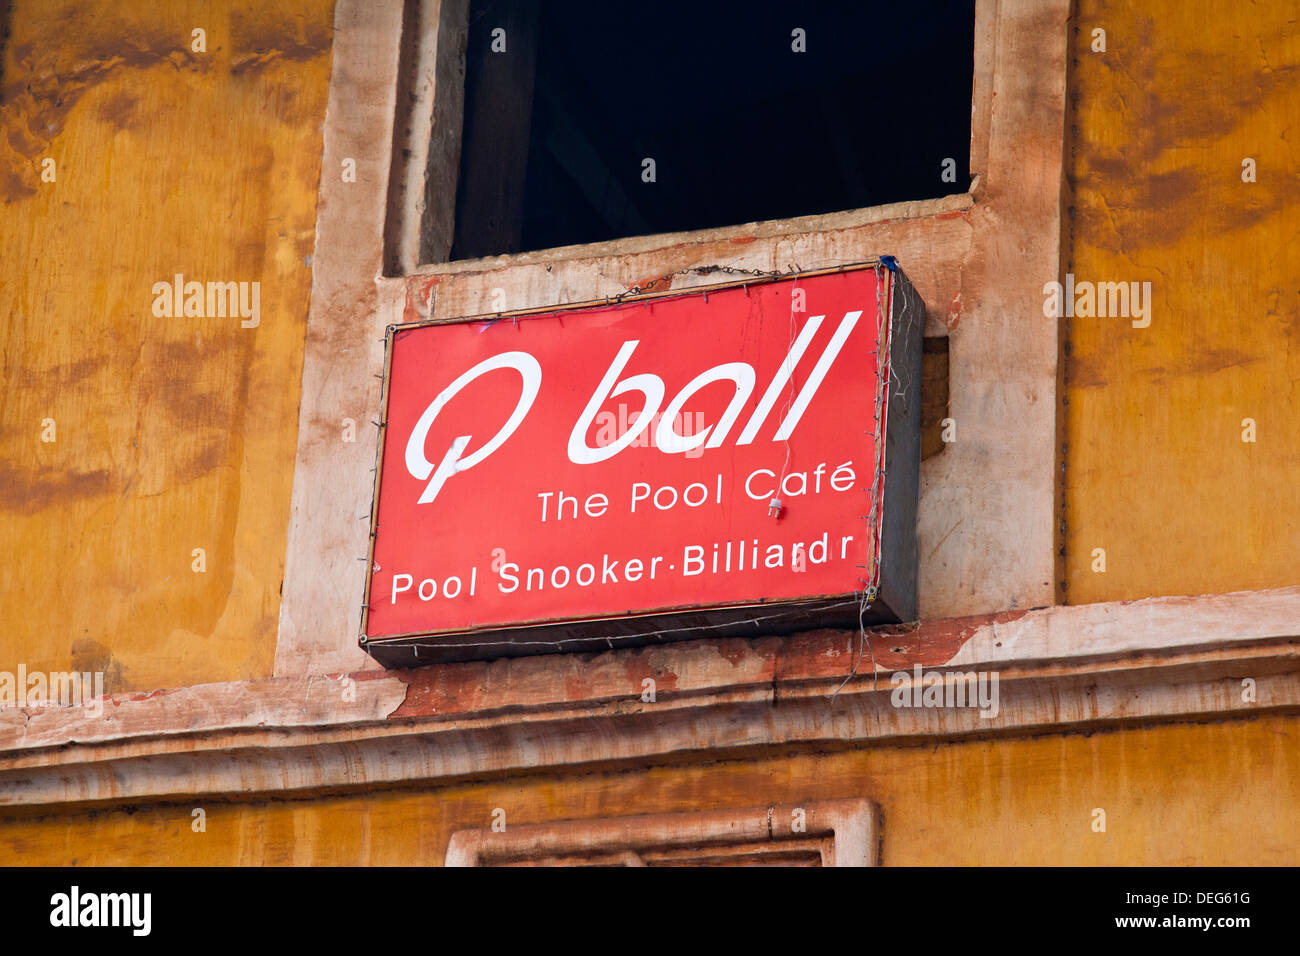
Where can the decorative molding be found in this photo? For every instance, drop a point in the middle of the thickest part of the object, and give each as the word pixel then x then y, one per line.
pixel 831 832
pixel 1112 665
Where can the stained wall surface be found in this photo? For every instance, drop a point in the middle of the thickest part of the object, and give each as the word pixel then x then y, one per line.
pixel 1222 793
pixel 175 434
pixel 1156 471
pixel 170 434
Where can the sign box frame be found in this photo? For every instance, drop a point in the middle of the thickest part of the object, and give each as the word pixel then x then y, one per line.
pixel 896 597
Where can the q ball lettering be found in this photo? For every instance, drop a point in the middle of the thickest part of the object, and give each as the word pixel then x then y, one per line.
pixel 452 462
pixel 649 385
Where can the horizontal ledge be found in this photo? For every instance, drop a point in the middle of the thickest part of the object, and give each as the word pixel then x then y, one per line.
pixel 821 222
pixel 429 753
pixel 1059 668
pixel 702 671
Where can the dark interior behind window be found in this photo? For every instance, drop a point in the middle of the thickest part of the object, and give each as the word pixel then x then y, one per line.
pixel 740 126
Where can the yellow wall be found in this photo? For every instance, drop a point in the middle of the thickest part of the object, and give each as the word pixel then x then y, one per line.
pixel 172 434
pixel 175 434
pixel 179 434
pixel 1156 471
pixel 1223 793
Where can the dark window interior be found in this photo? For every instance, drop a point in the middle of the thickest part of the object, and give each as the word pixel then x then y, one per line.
pixel 739 125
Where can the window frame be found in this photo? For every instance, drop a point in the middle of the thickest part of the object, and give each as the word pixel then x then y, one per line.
pixel 842 832
pixel 975 257
pixel 425 180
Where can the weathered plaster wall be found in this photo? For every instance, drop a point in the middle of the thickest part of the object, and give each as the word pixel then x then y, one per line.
pixel 171 433
pixel 175 434
pixel 1156 472
pixel 1221 793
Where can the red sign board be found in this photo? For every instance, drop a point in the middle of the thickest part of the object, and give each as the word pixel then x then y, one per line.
pixel 644 470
